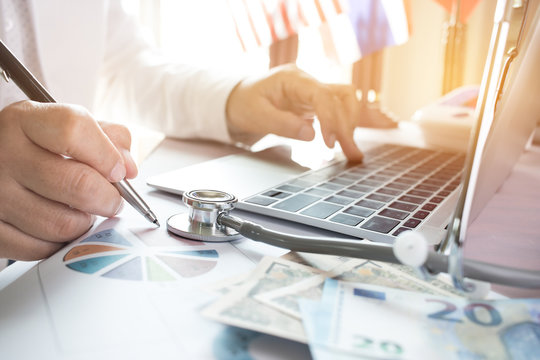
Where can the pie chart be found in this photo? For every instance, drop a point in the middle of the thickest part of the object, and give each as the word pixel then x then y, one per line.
pixel 111 255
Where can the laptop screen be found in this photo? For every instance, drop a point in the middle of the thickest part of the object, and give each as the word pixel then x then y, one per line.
pixel 507 111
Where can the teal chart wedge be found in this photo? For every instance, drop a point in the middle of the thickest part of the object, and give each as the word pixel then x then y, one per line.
pixel 109 254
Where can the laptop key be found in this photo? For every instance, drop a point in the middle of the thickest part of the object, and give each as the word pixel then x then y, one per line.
pixel 394 214
pixel 261 200
pixel 412 223
pixel 450 188
pixel 370 183
pixel 426 188
pixel 276 194
pixel 433 182
pixel 403 206
pixel 331 186
pixel 405 180
pixel 359 188
pixel 360 211
pixel 378 178
pixel 388 191
pixel 347 219
pixel 359 172
pixel 350 176
pixel 321 210
pixel 318 192
pixel 412 199
pixel 389 173
pixel 351 194
pixel 297 202
pixel 398 186
pixel 379 197
pixel 290 188
pixel 429 207
pixel 420 193
pixel 370 204
pixel 339 200
pixel 436 199
pixel 421 214
pixel 342 181
pixel 380 224
pixel 400 230
pixel 414 175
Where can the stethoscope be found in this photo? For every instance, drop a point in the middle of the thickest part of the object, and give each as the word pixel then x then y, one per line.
pixel 208 220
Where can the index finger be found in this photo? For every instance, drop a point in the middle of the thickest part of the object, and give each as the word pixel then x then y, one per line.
pixel 336 124
pixel 347 111
pixel 71 131
pixel 336 108
pixel 336 114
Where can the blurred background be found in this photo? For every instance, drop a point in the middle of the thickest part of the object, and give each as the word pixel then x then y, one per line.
pixel 405 57
pixel 404 54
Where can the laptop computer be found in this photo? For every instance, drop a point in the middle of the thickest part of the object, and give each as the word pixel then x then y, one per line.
pixel 397 188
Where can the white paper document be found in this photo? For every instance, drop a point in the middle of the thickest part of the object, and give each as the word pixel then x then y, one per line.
pixel 129 290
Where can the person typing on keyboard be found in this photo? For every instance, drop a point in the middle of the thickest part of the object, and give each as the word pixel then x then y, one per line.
pixel 57 161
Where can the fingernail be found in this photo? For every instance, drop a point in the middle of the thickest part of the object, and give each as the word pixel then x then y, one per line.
pixel 118 172
pixel 332 140
pixel 116 204
pixel 119 207
pixel 306 133
pixel 128 158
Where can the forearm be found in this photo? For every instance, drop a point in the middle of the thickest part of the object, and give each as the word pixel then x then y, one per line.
pixel 179 100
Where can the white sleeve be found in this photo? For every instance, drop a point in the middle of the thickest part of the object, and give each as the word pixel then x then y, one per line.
pixel 180 100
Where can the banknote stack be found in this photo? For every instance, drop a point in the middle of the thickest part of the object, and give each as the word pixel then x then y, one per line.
pixel 268 299
pixel 354 320
pixel 352 308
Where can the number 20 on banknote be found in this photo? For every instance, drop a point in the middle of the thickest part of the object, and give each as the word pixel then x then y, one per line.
pixel 383 322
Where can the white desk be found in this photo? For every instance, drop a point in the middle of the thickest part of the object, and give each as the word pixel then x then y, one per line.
pixel 510 206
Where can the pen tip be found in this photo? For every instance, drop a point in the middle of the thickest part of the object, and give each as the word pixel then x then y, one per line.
pixel 157 223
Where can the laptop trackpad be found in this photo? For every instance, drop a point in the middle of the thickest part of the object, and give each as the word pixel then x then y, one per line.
pixel 241 174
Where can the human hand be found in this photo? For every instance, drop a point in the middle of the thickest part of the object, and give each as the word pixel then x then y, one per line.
pixel 56 168
pixel 284 102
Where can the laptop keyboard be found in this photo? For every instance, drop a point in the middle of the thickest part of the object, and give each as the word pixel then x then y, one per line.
pixel 395 189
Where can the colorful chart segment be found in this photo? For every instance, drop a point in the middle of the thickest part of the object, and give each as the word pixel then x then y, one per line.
pixel 110 255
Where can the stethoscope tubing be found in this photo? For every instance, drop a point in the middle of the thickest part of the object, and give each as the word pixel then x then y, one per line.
pixel 320 245
pixel 209 210
pixel 435 263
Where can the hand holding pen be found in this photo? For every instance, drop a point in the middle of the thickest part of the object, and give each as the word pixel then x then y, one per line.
pixel 57 170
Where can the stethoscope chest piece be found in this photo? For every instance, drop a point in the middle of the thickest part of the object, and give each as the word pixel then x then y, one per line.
pixel 200 223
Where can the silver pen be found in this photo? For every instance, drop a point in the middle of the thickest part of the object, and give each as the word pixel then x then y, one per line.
pixel 130 195
pixel 12 68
